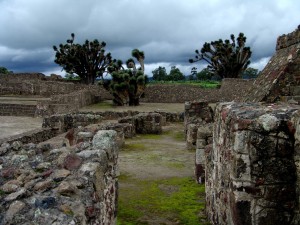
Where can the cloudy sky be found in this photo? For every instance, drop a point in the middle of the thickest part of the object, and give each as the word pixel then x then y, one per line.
pixel 168 31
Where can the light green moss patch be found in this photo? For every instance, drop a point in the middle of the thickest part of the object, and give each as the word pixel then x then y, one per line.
pixel 151 136
pixel 177 199
pixel 134 147
pixel 176 165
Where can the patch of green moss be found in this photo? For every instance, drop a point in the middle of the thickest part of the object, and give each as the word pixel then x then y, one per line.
pixel 176 165
pixel 178 136
pixel 102 105
pixel 182 203
pixel 134 147
pixel 151 136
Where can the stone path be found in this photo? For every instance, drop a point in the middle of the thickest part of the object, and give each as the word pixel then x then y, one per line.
pixel 144 162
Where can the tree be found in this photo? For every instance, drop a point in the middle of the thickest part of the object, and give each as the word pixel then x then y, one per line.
pixel 250 73
pixel 227 59
pixel 193 75
pixel 4 70
pixel 88 60
pixel 159 73
pixel 175 74
pixel 204 74
pixel 127 85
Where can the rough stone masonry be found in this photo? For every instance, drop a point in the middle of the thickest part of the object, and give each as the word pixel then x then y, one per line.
pixel 252 167
pixel 68 185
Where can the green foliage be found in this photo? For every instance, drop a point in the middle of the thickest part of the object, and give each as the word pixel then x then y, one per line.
pixel 4 70
pixel 226 59
pixel 199 83
pixel 181 204
pixel 204 74
pixel 250 73
pixel 127 85
pixel 159 73
pixel 69 76
pixel 175 74
pixel 193 75
pixel 88 60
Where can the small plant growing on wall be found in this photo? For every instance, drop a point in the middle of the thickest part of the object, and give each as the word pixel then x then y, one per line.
pixel 127 85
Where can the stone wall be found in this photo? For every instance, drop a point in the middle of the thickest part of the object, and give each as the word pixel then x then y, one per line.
pixel 17 110
pixel 66 103
pixel 34 136
pixel 75 185
pixel 47 86
pixel 281 73
pixel 231 89
pixel 252 167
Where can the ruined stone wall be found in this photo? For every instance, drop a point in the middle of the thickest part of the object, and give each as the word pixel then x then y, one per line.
pixel 74 185
pixel 281 73
pixel 66 103
pixel 34 136
pixel 17 110
pixel 231 89
pixel 39 84
pixel 252 167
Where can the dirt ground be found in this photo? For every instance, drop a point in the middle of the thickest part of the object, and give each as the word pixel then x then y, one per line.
pixel 13 125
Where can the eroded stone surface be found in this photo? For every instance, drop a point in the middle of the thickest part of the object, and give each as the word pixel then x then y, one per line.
pixel 69 185
pixel 251 168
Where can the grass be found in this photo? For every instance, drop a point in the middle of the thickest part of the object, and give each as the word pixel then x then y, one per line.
pixel 202 84
pixel 134 147
pixel 176 199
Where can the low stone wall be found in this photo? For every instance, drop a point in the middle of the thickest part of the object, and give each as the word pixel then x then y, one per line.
pixel 17 110
pixel 76 185
pixel 34 136
pixel 196 114
pixel 66 103
pixel 252 172
pixel 231 89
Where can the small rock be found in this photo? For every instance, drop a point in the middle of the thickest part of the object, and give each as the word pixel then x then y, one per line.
pixel 16 145
pixel 17 159
pixel 65 188
pixel 90 168
pixel 29 146
pixel 43 166
pixel 43 185
pixel 15 195
pixel 13 209
pixel 72 162
pixel 45 203
pixel 59 175
pixel 45 147
pixel 91 153
pixel 9 173
pixel 66 209
pixel 11 186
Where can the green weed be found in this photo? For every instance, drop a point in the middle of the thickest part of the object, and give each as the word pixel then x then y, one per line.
pixel 183 203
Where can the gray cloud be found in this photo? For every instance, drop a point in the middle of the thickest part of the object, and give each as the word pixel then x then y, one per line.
pixel 168 31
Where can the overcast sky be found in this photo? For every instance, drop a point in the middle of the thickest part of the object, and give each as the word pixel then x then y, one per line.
pixel 168 31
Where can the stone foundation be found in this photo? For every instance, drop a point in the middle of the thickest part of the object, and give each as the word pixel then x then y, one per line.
pixel 252 168
pixel 76 185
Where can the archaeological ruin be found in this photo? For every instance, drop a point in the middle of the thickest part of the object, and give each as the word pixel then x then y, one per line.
pixel 245 134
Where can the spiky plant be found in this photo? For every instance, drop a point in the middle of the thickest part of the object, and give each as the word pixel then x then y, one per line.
pixel 127 85
pixel 227 59
pixel 88 60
